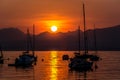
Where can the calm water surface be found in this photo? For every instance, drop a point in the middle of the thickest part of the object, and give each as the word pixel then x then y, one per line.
pixel 54 68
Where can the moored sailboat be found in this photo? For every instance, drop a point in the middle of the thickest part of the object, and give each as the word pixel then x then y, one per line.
pixel 78 62
pixel 26 59
pixel 83 62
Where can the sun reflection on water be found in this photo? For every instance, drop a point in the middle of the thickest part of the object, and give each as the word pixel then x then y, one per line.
pixel 53 67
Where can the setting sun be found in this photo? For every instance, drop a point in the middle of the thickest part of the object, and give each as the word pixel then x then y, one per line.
pixel 54 28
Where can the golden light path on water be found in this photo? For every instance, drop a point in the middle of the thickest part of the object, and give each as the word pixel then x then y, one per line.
pixel 53 67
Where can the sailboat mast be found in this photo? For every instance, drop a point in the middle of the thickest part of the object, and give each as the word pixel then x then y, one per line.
pixel 28 40
pixel 95 43
pixel 33 40
pixel 85 35
pixel 79 38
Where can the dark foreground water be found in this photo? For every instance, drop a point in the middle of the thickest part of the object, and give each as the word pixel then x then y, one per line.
pixel 54 68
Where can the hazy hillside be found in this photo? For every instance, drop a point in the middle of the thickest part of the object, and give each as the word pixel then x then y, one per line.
pixel 12 39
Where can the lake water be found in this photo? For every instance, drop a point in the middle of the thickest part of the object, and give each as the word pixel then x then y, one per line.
pixel 54 68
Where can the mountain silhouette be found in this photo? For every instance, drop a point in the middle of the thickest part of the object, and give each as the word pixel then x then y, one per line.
pixel 12 39
pixel 107 39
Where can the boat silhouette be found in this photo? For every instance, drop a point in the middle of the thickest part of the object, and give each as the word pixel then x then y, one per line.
pixel 26 59
pixel 83 62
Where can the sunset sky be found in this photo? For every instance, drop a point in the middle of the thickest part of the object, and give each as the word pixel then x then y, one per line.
pixel 66 14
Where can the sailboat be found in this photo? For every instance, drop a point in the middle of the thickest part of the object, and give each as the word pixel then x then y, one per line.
pixel 85 61
pixel 78 62
pixel 92 57
pixel 26 59
pixel 1 56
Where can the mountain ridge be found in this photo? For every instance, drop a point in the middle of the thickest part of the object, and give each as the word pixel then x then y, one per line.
pixel 107 39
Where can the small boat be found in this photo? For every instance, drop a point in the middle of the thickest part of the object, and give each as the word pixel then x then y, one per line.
pixel 79 64
pixel 65 57
pixel 26 59
pixel 92 57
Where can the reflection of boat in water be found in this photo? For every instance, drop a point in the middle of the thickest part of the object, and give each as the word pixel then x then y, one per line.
pixel 26 59
pixel 1 56
pixel 85 75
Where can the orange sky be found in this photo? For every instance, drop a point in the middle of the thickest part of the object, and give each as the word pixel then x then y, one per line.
pixel 66 14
